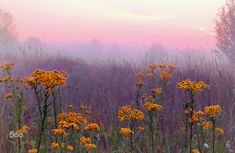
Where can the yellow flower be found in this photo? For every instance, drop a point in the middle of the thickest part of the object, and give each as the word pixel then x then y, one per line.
pixel 126 131
pixel 55 145
pixel 59 132
pixel 8 96
pixel 92 127
pixel 140 74
pixel 191 86
pixel 152 106
pixel 157 91
pixel 85 140
pixel 196 118
pixel 90 146
pixel 153 67
pixel 219 131
pixel 6 79
pixel 69 148
pixel 32 151
pixel 206 125
pixel 48 79
pixel 126 113
pixel 162 66
pixel 195 151
pixel 140 128
pixel 6 67
pixel 165 75
pixel 172 67
pixel 150 75
pixel 25 129
pixel 213 110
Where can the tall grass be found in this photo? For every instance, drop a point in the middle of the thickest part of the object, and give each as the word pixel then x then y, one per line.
pixel 106 86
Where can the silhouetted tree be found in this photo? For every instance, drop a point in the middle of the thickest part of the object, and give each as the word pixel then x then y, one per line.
pixel 225 29
pixel 7 27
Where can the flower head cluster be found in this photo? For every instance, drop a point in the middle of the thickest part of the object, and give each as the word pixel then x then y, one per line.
pixel 150 75
pixel 71 120
pixel 172 67
pixel 24 129
pixel 219 131
pixel 92 127
pixel 126 113
pixel 191 86
pixel 8 96
pixel 213 110
pixel 85 140
pixel 90 146
pixel 126 131
pixel 32 150
pixel 157 91
pixel 195 151
pixel 59 132
pixel 206 125
pixel 196 118
pixel 153 67
pixel 48 79
pixel 165 75
pixel 152 106
pixel 140 128
pixel 6 67
pixel 139 74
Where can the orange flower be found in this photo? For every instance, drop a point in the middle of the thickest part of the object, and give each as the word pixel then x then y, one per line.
pixel 165 75
pixel 92 127
pixel 140 74
pixel 150 75
pixel 70 148
pixel 85 140
pixel 157 91
pixel 153 67
pixel 55 145
pixel 126 131
pixel 152 106
pixel 140 128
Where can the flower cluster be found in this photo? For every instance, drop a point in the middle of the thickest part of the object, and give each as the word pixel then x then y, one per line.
pixel 157 91
pixel 206 125
pixel 213 110
pixel 6 67
pixel 92 127
pixel 165 75
pixel 153 67
pixel 196 118
pixel 71 120
pixel 86 142
pixel 139 74
pixel 219 131
pixel 8 96
pixel 191 86
pixel 152 106
pixel 126 131
pixel 24 129
pixel 48 79
pixel 126 113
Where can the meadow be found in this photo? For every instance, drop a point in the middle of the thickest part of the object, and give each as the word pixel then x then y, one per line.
pixel 175 104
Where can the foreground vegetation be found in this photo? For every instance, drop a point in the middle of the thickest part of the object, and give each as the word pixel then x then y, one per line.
pixel 59 126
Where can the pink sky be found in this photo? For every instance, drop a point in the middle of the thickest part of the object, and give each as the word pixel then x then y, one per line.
pixel 178 23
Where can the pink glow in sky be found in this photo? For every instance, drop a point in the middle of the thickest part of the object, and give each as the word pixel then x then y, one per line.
pixel 174 23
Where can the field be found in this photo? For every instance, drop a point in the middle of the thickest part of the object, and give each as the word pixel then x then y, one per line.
pixel 173 105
